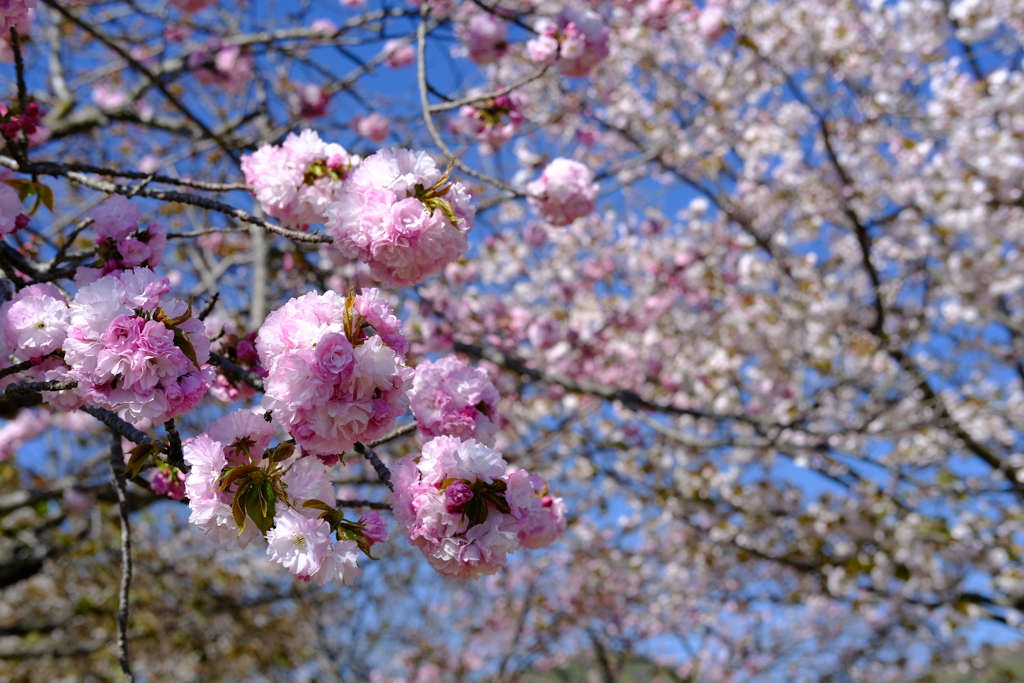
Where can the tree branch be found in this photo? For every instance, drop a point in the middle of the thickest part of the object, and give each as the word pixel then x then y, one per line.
pixel 117 472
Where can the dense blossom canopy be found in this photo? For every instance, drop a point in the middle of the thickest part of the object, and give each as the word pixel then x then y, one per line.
pixel 692 329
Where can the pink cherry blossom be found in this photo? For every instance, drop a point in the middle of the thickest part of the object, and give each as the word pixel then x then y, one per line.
pixel 438 521
pixel 546 521
pixel 374 126
pixel 226 66
pixel 374 528
pixel 485 36
pixel 388 217
pixel 107 97
pixel 125 360
pixel 493 122
pixel 398 53
pixel 27 425
pixel 299 543
pixel 339 564
pixel 313 100
pixel 297 180
pixel 35 322
pixel 15 14
pixel 576 42
pixel 564 192
pixel 351 390
pixel 450 398
pixel 169 482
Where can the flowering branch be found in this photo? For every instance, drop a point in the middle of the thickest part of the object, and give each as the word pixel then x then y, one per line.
pixel 164 195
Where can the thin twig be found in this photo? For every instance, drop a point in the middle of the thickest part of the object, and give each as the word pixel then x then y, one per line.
pixel 208 308
pixel 400 431
pixel 363 504
pixel 117 472
pixel 62 252
pixel 421 74
pixel 473 99
pixel 19 64
pixel 236 372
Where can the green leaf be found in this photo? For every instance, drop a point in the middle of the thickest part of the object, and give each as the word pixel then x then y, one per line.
pixel 237 510
pixel 260 510
pixel 268 496
pixel 476 511
pixel 138 457
pixel 46 196
pixel 234 474
pixel 317 505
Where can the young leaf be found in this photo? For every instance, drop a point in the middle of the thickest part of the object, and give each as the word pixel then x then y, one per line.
pixel 260 511
pixel 237 510
pixel 476 511
pixel 138 457
pixel 282 452
pixel 45 196
pixel 233 475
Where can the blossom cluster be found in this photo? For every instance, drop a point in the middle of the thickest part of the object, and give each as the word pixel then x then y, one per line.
pixel 373 126
pixel 11 217
pixel 493 122
pixel 575 42
pixel 399 214
pixel 226 66
pixel 12 124
pixel 564 192
pixel 130 349
pixel 336 369
pixel 297 180
pixel 238 488
pixel 121 242
pixel 34 323
pixel 485 36
pixel 464 513
pixel 16 14
pixel 449 398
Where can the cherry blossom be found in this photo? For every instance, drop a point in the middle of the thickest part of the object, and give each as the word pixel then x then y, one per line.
pixel 399 215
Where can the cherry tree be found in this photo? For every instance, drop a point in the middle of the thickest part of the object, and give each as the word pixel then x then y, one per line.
pixel 721 300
